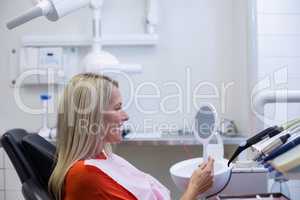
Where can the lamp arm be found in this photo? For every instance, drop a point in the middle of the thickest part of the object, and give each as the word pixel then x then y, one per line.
pixel 96 6
pixel 25 17
pixel 51 9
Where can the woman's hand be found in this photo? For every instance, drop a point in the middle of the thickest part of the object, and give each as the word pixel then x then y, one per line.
pixel 201 180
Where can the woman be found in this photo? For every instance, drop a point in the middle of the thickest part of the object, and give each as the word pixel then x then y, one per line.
pixel 89 120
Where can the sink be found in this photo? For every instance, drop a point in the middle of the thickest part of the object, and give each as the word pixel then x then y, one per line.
pixel 182 171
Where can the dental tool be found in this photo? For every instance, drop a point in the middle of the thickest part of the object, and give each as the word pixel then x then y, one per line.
pixel 281 150
pixel 266 133
pixel 276 143
pixel 263 148
pixel 269 132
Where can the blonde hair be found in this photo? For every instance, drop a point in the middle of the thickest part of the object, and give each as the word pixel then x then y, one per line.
pixel 79 125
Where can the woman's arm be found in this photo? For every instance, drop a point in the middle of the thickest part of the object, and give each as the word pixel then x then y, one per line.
pixel 201 180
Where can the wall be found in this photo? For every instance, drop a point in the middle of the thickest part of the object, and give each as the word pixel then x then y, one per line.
pixel 278 57
pixel 207 36
pixel 278 36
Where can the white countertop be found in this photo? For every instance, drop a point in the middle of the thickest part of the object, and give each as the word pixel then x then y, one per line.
pixel 157 139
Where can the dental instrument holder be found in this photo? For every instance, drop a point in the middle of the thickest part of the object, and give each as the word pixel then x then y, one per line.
pixel 45 131
pixel 269 132
pixel 205 128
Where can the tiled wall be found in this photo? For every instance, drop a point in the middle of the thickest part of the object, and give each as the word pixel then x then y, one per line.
pixel 10 185
pixel 2 180
pixel 278 35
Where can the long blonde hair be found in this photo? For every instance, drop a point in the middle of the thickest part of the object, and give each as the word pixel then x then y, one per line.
pixel 80 125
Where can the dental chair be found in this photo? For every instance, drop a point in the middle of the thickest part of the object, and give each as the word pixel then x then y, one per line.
pixel 33 158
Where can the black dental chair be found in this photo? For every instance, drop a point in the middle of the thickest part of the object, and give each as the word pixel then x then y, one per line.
pixel 33 158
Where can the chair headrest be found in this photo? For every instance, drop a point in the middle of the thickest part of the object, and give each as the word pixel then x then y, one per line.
pixel 11 142
pixel 42 155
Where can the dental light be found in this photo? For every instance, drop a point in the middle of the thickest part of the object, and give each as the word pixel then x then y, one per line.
pixel 96 60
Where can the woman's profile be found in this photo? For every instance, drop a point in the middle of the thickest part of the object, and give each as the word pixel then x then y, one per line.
pixel 90 118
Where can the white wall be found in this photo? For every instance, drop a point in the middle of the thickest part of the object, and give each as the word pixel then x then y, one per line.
pixel 209 36
pixel 278 36
pixel 278 51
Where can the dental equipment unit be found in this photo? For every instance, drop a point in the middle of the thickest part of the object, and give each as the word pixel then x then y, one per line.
pixel 264 136
pixel 269 132
pixel 265 147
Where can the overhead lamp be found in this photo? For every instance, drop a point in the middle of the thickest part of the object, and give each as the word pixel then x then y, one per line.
pixel 97 60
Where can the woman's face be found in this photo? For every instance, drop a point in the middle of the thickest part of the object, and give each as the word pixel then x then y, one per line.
pixel 114 117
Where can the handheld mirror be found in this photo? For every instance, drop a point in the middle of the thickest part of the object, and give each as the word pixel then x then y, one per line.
pixel 205 126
